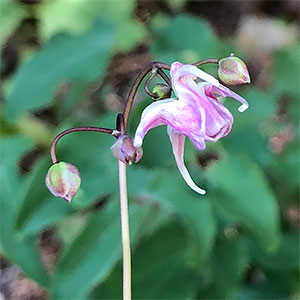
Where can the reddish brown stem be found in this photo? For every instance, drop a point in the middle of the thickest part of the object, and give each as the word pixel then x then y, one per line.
pixel 77 129
pixel 206 61
pixel 136 84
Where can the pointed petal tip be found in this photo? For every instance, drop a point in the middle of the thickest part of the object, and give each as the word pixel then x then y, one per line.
pixel 243 107
pixel 198 190
pixel 202 192
pixel 67 198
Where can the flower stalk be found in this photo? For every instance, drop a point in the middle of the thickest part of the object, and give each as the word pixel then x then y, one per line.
pixel 77 129
pixel 125 232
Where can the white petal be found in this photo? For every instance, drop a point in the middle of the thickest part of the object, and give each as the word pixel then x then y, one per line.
pixel 177 140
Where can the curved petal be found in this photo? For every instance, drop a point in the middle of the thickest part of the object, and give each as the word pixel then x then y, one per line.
pixel 182 116
pixel 223 91
pixel 177 140
pixel 178 70
pixel 153 115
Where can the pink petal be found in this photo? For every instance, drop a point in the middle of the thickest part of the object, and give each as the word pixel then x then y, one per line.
pixel 223 91
pixel 179 70
pixel 177 141
pixel 153 115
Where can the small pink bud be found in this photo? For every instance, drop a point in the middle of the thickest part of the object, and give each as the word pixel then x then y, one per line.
pixel 124 150
pixel 233 71
pixel 162 91
pixel 63 180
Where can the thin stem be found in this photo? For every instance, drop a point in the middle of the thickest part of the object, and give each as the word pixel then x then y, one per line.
pixel 65 132
pixel 125 232
pixel 136 84
pixel 120 124
pixel 163 75
pixel 146 86
pixel 206 61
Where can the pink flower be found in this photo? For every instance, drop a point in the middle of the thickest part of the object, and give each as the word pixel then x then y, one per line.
pixel 195 113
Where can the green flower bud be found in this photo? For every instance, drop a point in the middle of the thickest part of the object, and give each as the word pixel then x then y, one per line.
pixel 63 180
pixel 162 91
pixel 233 71
pixel 124 150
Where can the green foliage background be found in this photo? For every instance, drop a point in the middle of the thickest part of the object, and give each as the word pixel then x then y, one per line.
pixel 236 242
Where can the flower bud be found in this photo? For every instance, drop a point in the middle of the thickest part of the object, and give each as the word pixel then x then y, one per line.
pixel 233 71
pixel 162 91
pixel 63 180
pixel 124 150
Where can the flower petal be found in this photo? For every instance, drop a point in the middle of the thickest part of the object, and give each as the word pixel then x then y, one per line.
pixel 184 116
pixel 177 141
pixel 178 70
pixel 226 92
pixel 153 115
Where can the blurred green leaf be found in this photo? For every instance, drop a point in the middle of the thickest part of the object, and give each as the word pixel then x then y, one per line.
pixel 252 128
pixel 96 250
pixel 159 270
pixel 62 16
pixel 194 210
pixel 187 39
pixel 65 57
pixel 229 261
pixel 244 195
pixel 167 189
pixel 286 70
pixel 11 13
pixel 286 258
pixel 23 252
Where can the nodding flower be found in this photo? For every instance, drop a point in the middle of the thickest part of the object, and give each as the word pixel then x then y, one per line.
pixel 195 112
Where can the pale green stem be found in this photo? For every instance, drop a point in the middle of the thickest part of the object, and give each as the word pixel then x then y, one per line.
pixel 125 232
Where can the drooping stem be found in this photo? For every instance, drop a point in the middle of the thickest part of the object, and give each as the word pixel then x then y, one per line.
pixel 136 85
pixel 125 232
pixel 77 129
pixel 146 86
pixel 163 75
pixel 206 61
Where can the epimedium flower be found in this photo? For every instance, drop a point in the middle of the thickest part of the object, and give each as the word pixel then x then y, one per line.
pixel 63 180
pixel 195 112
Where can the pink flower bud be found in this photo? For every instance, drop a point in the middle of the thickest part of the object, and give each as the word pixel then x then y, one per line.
pixel 63 180
pixel 233 71
pixel 124 150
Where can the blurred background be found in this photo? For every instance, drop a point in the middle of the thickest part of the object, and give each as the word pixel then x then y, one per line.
pixel 68 63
